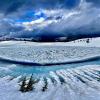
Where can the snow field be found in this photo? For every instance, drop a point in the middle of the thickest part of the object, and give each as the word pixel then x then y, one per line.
pixel 76 84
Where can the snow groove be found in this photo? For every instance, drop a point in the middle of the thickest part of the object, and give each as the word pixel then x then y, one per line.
pixel 74 84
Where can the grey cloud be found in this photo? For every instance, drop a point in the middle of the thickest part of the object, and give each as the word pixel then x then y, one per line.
pixel 96 3
pixel 63 22
pixel 9 6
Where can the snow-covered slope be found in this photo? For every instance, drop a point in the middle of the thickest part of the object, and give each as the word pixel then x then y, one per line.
pixel 79 83
pixel 93 42
pixel 82 83
pixel 49 53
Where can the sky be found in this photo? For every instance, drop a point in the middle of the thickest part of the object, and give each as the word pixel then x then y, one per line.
pixel 38 18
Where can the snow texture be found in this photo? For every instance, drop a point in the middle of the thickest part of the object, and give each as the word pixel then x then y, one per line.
pixel 80 83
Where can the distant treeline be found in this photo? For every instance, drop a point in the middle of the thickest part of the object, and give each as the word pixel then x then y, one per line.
pixel 51 38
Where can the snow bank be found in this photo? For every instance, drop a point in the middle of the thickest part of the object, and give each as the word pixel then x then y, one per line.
pixel 49 53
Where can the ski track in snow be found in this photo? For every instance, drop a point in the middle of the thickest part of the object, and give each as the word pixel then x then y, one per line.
pixel 82 83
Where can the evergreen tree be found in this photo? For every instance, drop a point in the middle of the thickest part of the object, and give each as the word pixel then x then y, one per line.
pixel 22 86
pixel 30 84
pixel 45 86
pixel 87 41
pixel 25 87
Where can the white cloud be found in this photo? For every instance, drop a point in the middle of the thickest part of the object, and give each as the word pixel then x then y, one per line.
pixel 29 25
pixel 83 18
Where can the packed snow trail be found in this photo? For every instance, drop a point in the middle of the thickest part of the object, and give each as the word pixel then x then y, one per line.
pixel 79 84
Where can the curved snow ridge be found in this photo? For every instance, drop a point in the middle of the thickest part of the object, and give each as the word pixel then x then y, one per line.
pixel 74 78
pixel 87 59
pixel 82 82
pixel 28 53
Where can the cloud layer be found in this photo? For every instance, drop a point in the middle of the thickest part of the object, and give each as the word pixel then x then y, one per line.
pixel 28 18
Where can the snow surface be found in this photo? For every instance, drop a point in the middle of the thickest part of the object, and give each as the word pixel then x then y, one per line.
pixel 47 53
pixel 94 42
pixel 81 83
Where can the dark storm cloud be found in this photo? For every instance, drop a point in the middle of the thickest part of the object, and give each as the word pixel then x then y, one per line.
pixel 9 6
pixel 63 17
pixel 6 27
pixel 95 2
